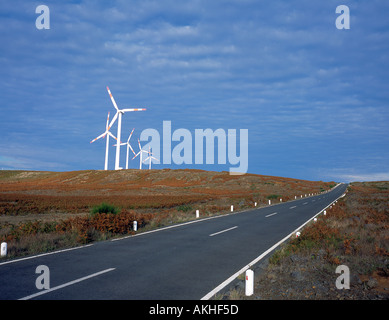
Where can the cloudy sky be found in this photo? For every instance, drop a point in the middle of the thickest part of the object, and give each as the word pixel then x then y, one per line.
pixel 315 99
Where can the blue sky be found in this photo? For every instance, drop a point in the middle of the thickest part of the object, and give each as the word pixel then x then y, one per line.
pixel 315 99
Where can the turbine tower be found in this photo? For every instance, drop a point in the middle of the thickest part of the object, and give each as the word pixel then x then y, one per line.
pixel 119 113
pixel 149 158
pixel 128 147
pixel 106 134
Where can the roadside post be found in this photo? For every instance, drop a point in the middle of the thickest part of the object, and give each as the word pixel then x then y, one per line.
pixel 3 249
pixel 249 282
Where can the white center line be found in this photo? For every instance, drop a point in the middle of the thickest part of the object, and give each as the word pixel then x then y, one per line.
pixel 292 207
pixel 214 234
pixel 66 284
pixel 305 203
pixel 272 214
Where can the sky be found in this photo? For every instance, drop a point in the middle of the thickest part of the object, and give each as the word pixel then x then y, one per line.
pixel 313 98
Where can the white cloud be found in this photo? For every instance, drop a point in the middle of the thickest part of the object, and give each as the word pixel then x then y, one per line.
pixel 382 176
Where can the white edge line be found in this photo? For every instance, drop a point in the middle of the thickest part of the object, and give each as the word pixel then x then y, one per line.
pixel 214 234
pixel 45 254
pixel 66 284
pixel 236 274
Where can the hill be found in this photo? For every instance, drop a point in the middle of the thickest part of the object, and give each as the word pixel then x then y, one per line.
pixel 40 192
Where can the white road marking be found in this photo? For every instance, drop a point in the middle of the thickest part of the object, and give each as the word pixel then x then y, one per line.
pixel 45 254
pixel 305 203
pixel 66 284
pixel 214 234
pixel 293 207
pixel 178 225
pixel 272 214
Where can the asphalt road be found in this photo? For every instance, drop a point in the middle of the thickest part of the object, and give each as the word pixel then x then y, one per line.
pixel 187 261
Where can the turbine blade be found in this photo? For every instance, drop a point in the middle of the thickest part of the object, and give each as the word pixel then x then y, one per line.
pixel 100 136
pixel 131 148
pixel 114 145
pixel 106 126
pixel 112 135
pixel 137 109
pixel 113 120
pixel 130 135
pixel 112 99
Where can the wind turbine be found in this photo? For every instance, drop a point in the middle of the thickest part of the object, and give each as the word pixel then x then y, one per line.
pixel 119 113
pixel 128 147
pixel 106 133
pixel 139 153
pixel 149 158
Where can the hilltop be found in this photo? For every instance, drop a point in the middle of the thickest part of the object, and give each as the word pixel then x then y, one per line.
pixel 39 192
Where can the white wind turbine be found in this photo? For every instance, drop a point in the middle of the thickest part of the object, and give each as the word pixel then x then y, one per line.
pixel 140 153
pixel 119 113
pixel 106 134
pixel 149 158
pixel 128 147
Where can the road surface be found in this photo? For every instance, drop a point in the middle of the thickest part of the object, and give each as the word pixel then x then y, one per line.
pixel 187 261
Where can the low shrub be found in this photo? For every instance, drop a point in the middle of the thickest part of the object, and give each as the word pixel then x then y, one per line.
pixel 104 208
pixel 184 208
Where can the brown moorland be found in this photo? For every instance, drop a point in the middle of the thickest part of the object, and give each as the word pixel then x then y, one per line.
pixel 42 211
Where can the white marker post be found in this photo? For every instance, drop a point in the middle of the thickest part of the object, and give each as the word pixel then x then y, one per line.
pixel 197 213
pixel 255 204
pixel 249 282
pixel 232 208
pixel 269 202
pixel 3 249
pixel 135 226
